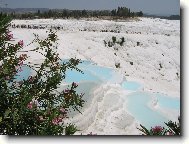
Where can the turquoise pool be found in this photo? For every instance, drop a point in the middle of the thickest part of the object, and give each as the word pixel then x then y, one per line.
pixel 24 74
pixel 137 101
pixel 138 106
pixel 130 85
pixel 92 72
pixel 165 101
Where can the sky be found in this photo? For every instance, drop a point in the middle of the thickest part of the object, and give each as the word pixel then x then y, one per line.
pixel 164 7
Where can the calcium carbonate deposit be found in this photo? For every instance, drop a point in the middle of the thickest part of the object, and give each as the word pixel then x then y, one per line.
pixel 121 82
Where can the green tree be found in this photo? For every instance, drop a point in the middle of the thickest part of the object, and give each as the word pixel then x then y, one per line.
pixel 84 13
pixel 38 12
pixel 140 14
pixel 113 12
pixel 50 13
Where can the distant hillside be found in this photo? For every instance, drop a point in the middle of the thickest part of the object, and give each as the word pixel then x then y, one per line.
pixel 22 10
pixel 31 13
pixel 172 17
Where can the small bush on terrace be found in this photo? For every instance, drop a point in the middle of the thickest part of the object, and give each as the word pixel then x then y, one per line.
pixel 122 41
pixel 114 41
pixel 33 106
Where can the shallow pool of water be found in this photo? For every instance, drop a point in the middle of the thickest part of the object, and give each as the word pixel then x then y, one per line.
pixel 91 71
pixel 165 101
pixel 130 85
pixel 24 74
pixel 137 102
pixel 75 76
pixel 138 106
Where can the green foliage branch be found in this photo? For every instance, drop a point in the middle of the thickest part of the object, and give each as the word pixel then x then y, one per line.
pixel 34 106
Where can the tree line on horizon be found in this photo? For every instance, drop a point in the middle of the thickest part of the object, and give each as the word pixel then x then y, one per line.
pixel 120 12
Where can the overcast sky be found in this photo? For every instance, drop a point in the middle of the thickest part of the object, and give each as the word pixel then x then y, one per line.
pixel 147 6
